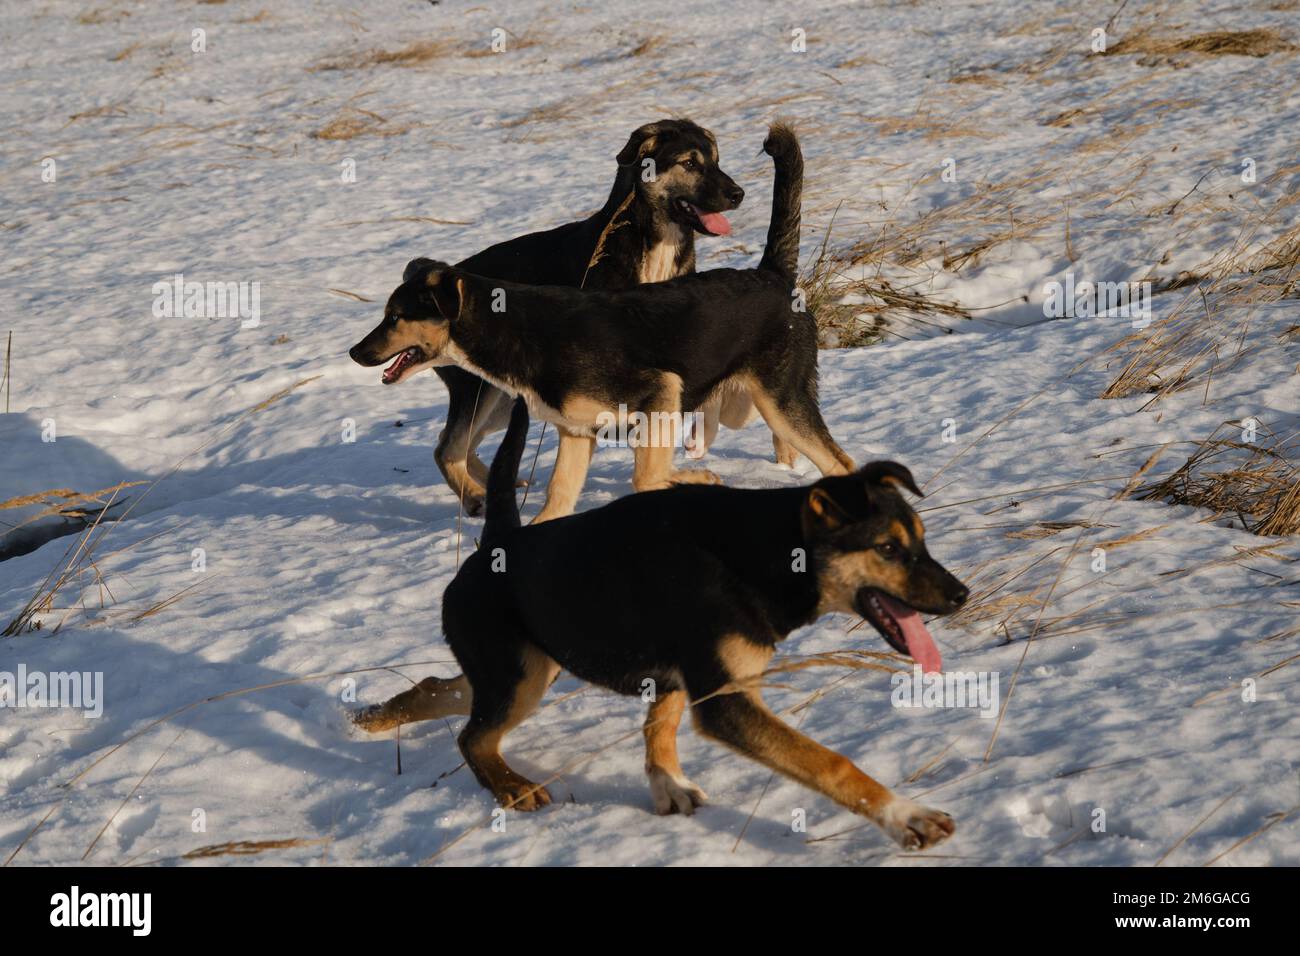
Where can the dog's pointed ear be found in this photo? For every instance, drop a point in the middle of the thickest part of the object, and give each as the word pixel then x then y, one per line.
pixel 416 267
pixel 822 511
pixel 889 474
pixel 447 286
pixel 639 143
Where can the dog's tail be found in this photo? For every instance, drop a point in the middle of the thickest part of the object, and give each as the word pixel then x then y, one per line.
pixel 782 252
pixel 502 509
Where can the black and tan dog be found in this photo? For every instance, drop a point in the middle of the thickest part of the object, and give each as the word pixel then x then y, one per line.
pixel 584 358
pixel 645 232
pixel 730 559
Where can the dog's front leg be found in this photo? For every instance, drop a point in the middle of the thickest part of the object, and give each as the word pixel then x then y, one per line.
pixel 653 465
pixel 669 788
pixel 741 720
pixel 571 462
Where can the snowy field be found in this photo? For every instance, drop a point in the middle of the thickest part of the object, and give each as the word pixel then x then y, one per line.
pixel 962 155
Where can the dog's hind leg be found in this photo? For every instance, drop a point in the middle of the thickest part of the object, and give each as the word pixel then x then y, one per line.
pixel 705 428
pixel 432 698
pixel 505 692
pixel 786 454
pixel 571 462
pixel 794 418
pixel 669 788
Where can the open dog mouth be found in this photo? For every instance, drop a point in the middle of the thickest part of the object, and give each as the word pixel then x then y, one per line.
pixel 403 361
pixel 901 626
pixel 709 223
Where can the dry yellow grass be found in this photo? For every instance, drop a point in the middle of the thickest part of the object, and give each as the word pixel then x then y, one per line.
pixel 413 54
pixel 1256 482
pixel 419 53
pixel 1045 529
pixel 98 15
pixel 830 278
pixel 248 847
pixel 353 121
pixel 1257 43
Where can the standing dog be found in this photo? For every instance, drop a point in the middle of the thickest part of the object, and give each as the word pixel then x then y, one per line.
pixel 645 232
pixel 586 359
pixel 726 556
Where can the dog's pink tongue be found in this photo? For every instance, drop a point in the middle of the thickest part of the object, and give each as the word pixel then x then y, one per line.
pixel 715 222
pixel 919 642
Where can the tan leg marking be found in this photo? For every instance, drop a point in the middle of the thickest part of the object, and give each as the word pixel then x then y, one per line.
pixel 481 746
pixel 669 788
pixel 432 698
pixel 493 415
pixel 822 452
pixel 742 721
pixel 653 464
pixel 458 459
pixel 571 462
pixel 786 454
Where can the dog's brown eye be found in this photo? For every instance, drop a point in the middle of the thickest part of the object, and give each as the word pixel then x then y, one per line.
pixel 689 165
pixel 889 551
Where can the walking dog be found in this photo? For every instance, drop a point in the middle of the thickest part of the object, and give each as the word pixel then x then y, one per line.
pixel 509 617
pixel 645 232
pixel 584 358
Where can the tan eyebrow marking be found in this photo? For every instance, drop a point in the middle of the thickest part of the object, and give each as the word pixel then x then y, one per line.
pixel 916 524
pixel 713 145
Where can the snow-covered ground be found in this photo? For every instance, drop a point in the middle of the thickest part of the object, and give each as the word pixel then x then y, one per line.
pixel 323 556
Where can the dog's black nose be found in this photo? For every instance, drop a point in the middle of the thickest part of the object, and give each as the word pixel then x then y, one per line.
pixel 957 595
pixel 734 196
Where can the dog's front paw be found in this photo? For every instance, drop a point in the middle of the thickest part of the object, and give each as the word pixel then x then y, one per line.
pixel 694 476
pixel 674 794
pixel 522 795
pixel 915 827
pixel 374 718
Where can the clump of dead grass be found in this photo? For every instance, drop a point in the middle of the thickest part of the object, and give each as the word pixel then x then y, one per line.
pixel 1257 482
pixel 481 50
pixel 413 54
pixel 1256 43
pixel 649 45
pixel 249 847
pixel 1209 329
pixel 419 53
pixel 98 15
pixel 852 311
pixel 352 121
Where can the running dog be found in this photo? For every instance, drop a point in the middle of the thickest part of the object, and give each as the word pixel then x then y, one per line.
pixel 584 359
pixel 585 594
